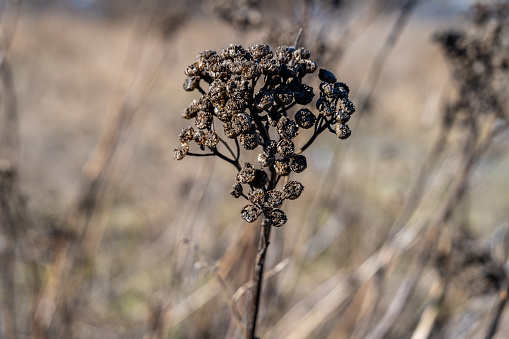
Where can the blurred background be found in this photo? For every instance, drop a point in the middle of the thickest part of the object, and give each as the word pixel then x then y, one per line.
pixel 401 231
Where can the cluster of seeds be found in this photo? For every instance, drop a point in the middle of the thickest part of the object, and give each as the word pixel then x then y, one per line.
pixel 261 115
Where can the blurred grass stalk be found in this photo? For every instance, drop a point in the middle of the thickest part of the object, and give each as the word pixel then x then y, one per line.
pixel 74 256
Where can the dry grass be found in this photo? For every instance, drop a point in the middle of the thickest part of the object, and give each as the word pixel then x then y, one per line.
pixel 337 268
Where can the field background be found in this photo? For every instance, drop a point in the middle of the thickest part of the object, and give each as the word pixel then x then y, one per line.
pixel 118 240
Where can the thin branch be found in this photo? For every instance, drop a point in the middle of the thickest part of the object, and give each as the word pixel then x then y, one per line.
pixel 201 90
pixel 285 109
pixel 237 157
pixel 221 281
pixel 368 86
pixel 200 154
pixel 225 158
pixel 264 242
pixel 299 35
pixel 267 275
pixel 313 137
pixel 228 147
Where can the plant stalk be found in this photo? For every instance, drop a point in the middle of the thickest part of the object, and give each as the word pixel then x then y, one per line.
pixel 258 277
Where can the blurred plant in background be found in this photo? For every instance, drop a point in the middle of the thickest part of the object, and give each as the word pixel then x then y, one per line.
pixel 402 230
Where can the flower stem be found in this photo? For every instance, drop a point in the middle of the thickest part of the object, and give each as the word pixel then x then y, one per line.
pixel 258 276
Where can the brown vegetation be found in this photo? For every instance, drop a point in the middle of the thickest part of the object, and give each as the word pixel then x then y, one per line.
pixel 401 231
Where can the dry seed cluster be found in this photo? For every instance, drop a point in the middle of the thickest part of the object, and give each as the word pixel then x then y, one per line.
pixel 480 59
pixel 261 116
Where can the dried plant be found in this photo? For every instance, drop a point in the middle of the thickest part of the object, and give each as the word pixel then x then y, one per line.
pixel 264 118
pixel 480 61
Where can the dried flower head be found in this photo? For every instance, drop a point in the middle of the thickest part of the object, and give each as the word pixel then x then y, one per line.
pixel 270 114
pixel 480 61
pixel 236 190
pixel 277 217
pixel 246 174
pixel 250 213
pixel 292 190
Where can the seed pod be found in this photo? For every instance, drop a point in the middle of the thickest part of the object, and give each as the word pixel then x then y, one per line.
pixel 241 123
pixel 260 179
pixel 211 139
pixel 270 147
pixel 257 196
pixel 283 95
pixel 301 53
pixel 263 100
pixel 181 152
pixel 216 67
pixel 203 120
pixel 229 131
pixel 308 66
pixel 265 160
pixel 282 167
pixel 246 174
pixel 348 106
pixel 223 115
pixel 325 107
pixel 277 217
pixel 285 147
pixel 303 94
pixel 284 54
pixel 249 140
pixel 305 118
pixel 273 199
pixel 292 190
pixel 194 69
pixel 191 111
pixel 199 137
pixel 205 55
pixel 250 213
pixel 235 51
pixel 342 131
pixel 205 104
pixel 270 67
pixel 259 51
pixel 327 89
pixel 287 71
pixel 217 91
pixel 341 90
pixel 286 128
pixel 191 83
pixel 186 135
pixel 237 66
pixel 342 117
pixel 326 76
pixel 237 87
pixel 251 70
pixel 235 107
pixel 236 190
pixel 298 163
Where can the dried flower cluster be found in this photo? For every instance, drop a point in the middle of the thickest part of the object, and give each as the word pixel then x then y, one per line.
pixel 480 60
pixel 241 14
pixel 261 116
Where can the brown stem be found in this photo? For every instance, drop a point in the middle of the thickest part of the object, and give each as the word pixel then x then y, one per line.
pixel 8 259
pixel 313 137
pixel 263 244
pixel 258 277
